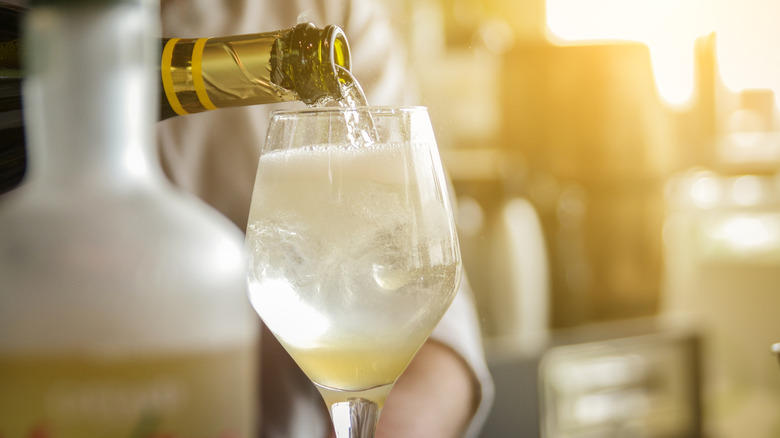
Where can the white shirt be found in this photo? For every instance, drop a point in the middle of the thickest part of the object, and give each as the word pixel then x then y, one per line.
pixel 214 156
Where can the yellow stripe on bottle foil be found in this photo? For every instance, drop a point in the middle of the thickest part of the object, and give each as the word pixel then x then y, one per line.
pixel 167 77
pixel 197 75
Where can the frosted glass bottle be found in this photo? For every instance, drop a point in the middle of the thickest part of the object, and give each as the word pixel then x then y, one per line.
pixel 123 308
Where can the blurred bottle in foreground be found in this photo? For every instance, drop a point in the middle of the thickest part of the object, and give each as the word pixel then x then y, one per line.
pixel 123 309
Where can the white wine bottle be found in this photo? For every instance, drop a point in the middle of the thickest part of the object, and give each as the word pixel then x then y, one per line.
pixel 123 307
pixel 303 63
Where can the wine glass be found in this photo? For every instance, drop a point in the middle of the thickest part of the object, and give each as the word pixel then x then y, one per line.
pixel 353 252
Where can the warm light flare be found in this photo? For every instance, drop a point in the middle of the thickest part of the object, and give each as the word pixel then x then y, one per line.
pixel 746 233
pixel 747 36
pixel 283 311
pixel 748 43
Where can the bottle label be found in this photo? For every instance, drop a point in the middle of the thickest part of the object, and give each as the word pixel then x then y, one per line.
pixel 203 395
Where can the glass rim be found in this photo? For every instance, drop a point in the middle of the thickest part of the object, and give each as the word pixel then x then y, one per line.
pixel 380 109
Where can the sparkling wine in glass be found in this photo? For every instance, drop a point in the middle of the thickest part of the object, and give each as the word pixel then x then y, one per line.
pixel 353 252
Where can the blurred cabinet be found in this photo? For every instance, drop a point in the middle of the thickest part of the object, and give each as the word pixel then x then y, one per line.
pixel 598 144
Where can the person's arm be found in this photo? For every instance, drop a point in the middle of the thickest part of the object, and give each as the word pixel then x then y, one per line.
pixel 436 397
pixel 446 392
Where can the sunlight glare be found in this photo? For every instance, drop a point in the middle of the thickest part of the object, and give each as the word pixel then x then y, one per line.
pixel 747 41
pixel 748 233
pixel 746 36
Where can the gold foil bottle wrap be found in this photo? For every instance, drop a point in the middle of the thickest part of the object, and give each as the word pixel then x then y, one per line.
pixel 209 73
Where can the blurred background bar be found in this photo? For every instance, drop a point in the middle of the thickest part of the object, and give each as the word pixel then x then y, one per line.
pixel 617 164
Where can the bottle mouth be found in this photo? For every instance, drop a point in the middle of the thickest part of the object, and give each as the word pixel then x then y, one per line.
pixel 335 42
pixel 317 81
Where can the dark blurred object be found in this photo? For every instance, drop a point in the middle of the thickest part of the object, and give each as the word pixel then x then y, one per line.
pixel 643 385
pixel 638 378
pixel 12 152
pixel 515 412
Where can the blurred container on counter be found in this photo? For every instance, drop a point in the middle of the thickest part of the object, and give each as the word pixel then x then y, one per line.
pixel 722 263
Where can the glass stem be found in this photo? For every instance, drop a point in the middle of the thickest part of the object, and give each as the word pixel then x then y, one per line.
pixel 355 418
